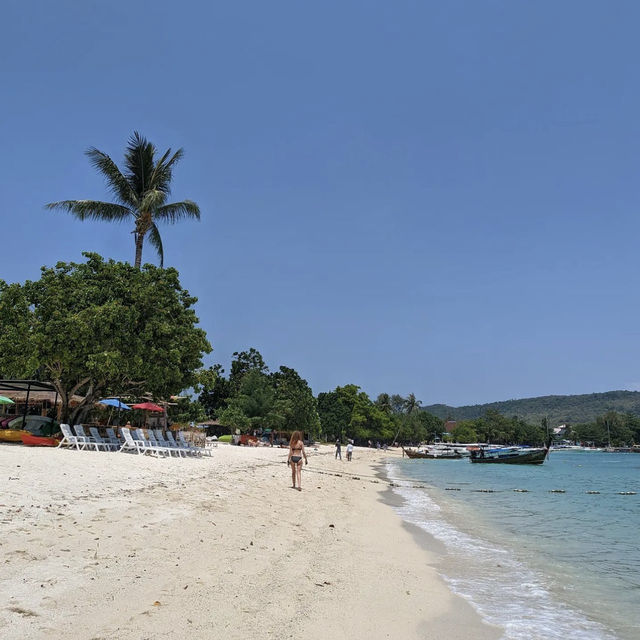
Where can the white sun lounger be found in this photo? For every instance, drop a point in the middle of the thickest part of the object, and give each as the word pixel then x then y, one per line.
pixel 100 441
pixel 71 440
pixel 160 439
pixel 91 442
pixel 113 438
pixel 152 448
pixel 130 444
pixel 198 451
pixel 178 445
pixel 159 445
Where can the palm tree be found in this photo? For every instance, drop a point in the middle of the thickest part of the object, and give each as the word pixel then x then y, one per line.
pixel 412 404
pixel 140 192
pixel 384 403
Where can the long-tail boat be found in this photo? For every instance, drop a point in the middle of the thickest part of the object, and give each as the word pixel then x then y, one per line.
pixel 510 455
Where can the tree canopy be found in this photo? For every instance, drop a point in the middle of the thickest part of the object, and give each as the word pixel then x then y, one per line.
pixel 252 398
pixel 101 328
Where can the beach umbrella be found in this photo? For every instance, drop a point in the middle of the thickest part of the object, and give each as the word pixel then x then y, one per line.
pixel 5 400
pixel 115 402
pixel 148 406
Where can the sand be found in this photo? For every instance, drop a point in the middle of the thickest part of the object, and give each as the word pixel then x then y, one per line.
pixel 110 545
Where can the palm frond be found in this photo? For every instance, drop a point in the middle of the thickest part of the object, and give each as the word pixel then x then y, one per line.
pixel 93 210
pixel 163 171
pixel 177 211
pixel 139 160
pixel 156 242
pixel 152 200
pixel 118 184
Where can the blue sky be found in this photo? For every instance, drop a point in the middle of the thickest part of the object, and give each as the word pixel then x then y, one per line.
pixel 430 197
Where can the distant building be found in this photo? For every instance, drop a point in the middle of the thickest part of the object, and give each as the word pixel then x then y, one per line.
pixel 449 425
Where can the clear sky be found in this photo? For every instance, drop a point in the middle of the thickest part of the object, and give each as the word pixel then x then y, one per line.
pixel 413 196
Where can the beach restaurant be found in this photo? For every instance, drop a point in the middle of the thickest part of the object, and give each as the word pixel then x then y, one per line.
pixel 33 397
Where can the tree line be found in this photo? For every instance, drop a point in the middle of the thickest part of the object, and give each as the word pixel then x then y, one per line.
pixel 104 328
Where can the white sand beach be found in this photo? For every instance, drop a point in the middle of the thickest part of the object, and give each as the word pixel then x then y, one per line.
pixel 109 545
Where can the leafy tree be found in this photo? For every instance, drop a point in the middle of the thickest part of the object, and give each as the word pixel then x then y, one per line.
pixel 398 404
pixel 411 404
pixel 102 328
pixel 216 390
pixel 295 402
pixel 383 402
pixel 19 353
pixel 243 363
pixel 186 410
pixel 334 415
pixel 464 431
pixel 431 426
pixel 255 397
pixel 633 424
pixel 140 191
pixel 233 416
pixel 616 427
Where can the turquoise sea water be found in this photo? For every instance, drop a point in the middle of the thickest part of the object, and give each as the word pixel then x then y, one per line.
pixel 540 563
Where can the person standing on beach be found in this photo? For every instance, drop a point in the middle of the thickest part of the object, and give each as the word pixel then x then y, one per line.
pixel 296 453
pixel 338 449
pixel 349 450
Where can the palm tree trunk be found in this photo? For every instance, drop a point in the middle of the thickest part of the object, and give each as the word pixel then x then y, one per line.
pixel 139 240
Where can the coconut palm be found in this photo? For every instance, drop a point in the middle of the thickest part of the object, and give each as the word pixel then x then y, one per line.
pixel 140 192
pixel 412 404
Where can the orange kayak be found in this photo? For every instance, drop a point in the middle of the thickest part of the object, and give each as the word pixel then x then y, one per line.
pixel 38 441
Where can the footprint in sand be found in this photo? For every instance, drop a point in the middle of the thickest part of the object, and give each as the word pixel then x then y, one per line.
pixel 27 613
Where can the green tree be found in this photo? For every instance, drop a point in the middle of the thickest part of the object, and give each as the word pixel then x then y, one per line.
pixel 243 362
pixel 216 390
pixel 465 432
pixel 616 427
pixel 334 415
pixel 140 191
pixel 186 410
pixel 255 399
pixel 233 416
pixel 294 401
pixel 412 404
pixel 398 403
pixel 99 328
pixel 383 401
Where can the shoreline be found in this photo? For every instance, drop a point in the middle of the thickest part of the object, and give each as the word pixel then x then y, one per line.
pixel 102 545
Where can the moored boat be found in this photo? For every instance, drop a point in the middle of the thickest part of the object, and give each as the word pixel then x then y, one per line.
pixel 433 454
pixel 510 455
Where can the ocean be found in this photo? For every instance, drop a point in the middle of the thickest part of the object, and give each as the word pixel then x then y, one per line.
pixel 529 547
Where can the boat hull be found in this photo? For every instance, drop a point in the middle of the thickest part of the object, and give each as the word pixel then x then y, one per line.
pixel 11 435
pixel 30 440
pixel 537 456
pixel 412 453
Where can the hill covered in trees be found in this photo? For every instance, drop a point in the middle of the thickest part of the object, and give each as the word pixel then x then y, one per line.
pixel 558 409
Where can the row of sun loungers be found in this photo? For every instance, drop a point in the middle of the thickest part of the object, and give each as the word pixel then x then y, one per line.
pixel 155 442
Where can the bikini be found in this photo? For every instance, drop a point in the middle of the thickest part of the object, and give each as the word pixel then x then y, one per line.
pixel 296 459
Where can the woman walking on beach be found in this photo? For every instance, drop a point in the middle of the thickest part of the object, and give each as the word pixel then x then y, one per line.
pixel 296 453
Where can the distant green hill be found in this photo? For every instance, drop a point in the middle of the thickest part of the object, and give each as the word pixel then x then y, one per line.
pixel 559 409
